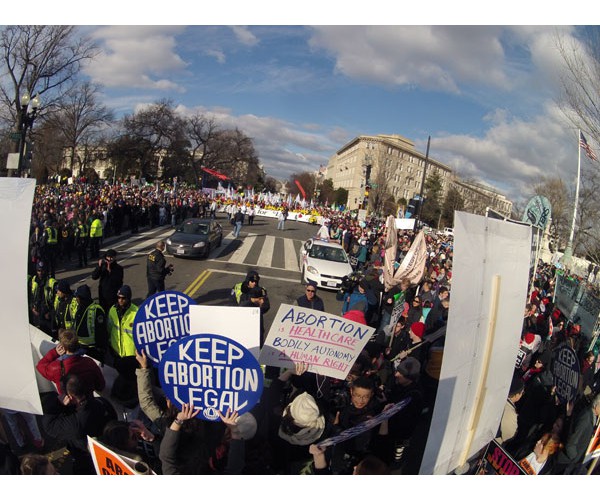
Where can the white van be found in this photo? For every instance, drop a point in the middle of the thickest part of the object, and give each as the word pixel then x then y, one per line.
pixel 447 231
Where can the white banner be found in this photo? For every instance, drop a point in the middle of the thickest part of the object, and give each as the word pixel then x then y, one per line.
pixel 489 291
pixel 18 387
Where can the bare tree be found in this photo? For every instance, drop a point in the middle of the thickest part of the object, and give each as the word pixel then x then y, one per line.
pixel 41 60
pixel 79 119
pixel 557 193
pixel 580 96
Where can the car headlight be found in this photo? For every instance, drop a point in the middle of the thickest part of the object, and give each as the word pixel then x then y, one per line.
pixel 169 241
pixel 200 244
pixel 312 270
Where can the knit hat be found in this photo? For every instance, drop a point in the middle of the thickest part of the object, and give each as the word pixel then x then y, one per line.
pixel 418 328
pixel 409 368
pixel 306 414
pixel 111 253
pixel 84 292
pixel 246 425
pixel 252 276
pixel 63 286
pixel 529 338
pixel 124 291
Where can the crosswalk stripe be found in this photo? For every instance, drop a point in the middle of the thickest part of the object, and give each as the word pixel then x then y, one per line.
pixel 266 252
pixel 216 253
pixel 242 252
pixel 291 259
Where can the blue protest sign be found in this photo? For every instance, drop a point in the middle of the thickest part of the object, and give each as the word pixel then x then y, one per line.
pixel 161 320
pixel 566 373
pixel 211 372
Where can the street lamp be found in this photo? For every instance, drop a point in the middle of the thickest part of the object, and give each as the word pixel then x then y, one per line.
pixel 27 119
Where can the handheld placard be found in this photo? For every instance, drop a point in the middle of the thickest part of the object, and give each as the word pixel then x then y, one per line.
pixel 212 373
pixel 161 320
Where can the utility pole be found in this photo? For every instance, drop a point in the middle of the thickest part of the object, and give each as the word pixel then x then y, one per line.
pixel 418 214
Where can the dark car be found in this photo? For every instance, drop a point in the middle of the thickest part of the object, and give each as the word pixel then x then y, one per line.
pixel 195 238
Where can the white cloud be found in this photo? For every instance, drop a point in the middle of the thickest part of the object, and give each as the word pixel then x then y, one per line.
pixel 137 57
pixel 431 57
pixel 219 55
pixel 514 154
pixel 244 35
pixel 284 148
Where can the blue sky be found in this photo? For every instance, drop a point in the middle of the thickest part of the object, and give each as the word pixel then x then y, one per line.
pixel 486 94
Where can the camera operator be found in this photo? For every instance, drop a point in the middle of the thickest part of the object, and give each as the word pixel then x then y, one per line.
pixel 110 274
pixel 157 269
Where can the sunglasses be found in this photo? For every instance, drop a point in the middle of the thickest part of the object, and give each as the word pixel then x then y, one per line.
pixel 310 290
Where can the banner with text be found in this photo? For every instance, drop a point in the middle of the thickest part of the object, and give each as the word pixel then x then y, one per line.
pixel 160 321
pixel 496 461
pixel 364 426
pixel 109 463
pixel 330 344
pixel 211 372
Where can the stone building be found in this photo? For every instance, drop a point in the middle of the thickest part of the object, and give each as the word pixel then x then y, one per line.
pixel 393 165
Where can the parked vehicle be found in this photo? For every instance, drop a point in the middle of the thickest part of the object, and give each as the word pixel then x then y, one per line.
pixel 323 263
pixel 195 238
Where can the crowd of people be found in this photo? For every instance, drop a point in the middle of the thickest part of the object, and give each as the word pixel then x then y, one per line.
pixel 298 408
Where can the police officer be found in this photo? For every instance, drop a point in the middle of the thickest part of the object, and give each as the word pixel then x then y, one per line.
pixel 41 299
pixel 81 241
pixel 95 236
pixel 50 247
pixel 65 307
pixel 157 269
pixel 90 322
pixel 240 290
pixel 121 345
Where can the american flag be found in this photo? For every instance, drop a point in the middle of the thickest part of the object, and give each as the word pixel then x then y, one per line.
pixel 586 147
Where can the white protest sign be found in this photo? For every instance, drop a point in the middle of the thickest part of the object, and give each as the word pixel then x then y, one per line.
pixel 18 387
pixel 330 344
pixel 241 324
pixel 490 275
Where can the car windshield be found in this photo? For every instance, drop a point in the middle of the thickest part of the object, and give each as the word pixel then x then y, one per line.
pixel 327 253
pixel 193 228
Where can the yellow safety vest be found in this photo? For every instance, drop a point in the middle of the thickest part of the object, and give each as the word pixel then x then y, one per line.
pixel 96 229
pixel 69 313
pixel 82 229
pixel 89 316
pixel 48 290
pixel 121 331
pixel 52 236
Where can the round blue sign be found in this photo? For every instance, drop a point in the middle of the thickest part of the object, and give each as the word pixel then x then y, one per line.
pixel 566 373
pixel 211 372
pixel 161 320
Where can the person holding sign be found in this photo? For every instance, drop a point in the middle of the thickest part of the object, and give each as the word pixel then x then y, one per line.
pixel 580 431
pixel 362 406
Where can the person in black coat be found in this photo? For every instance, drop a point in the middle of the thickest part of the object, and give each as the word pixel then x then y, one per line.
pixel 157 269
pixel 75 416
pixel 310 299
pixel 578 437
pixel 110 276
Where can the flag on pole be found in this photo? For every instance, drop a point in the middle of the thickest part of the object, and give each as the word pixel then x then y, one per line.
pixel 586 147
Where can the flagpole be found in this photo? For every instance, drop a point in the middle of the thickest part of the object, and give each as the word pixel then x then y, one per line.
pixel 566 258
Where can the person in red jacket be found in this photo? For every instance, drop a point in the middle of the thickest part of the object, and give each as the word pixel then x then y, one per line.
pixel 68 357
